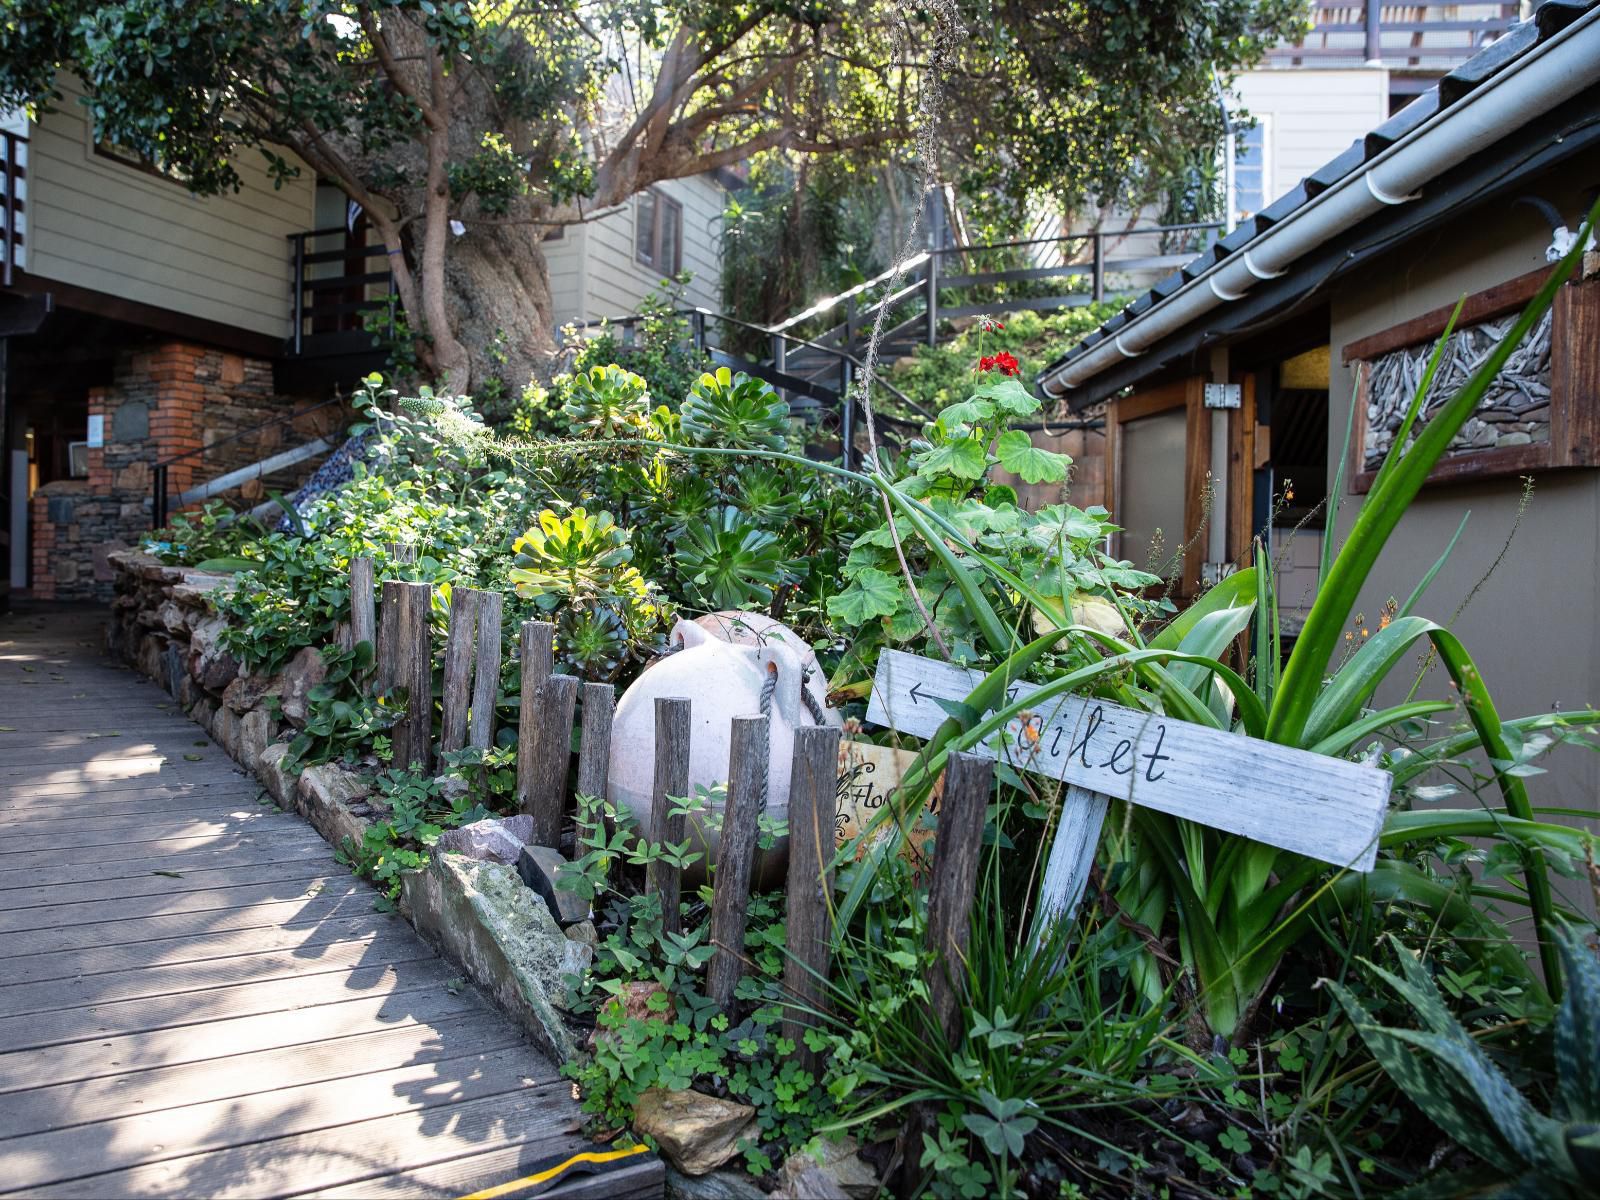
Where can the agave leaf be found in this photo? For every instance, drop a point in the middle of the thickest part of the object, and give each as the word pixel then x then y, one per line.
pixel 1343 697
pixel 1330 520
pixel 1577 1040
pixel 1235 590
pixel 1437 1093
pixel 1210 637
pixel 1339 742
pixel 1422 584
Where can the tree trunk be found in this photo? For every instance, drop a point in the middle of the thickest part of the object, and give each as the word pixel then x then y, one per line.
pixel 497 284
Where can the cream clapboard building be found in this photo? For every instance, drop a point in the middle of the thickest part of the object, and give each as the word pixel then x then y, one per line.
pixel 140 323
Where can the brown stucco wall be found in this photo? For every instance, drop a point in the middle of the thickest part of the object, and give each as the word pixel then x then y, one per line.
pixel 1530 622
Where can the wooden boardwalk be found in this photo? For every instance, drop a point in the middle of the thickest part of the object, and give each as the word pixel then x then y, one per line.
pixel 197 1000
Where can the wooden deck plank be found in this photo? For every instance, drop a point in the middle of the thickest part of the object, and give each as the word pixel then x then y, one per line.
pixel 294 885
pixel 345 1154
pixel 166 952
pixel 196 999
pixel 425 1002
pixel 239 1000
pixel 634 1179
pixel 85 1102
pixel 203 976
pixel 131 1141
pixel 234 851
pixel 285 914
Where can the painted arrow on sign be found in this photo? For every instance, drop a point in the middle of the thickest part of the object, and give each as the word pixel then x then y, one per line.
pixel 1325 808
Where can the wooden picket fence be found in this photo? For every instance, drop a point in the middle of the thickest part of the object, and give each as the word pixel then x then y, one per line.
pixel 549 704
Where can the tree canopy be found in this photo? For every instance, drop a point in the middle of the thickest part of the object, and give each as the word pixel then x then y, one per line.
pixel 513 117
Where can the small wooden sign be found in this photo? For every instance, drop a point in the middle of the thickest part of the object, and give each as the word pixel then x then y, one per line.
pixel 868 777
pixel 1325 808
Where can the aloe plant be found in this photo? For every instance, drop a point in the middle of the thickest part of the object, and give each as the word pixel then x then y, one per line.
pixel 1450 1077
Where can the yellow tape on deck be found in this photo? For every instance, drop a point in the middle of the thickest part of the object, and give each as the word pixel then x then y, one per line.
pixel 590 1159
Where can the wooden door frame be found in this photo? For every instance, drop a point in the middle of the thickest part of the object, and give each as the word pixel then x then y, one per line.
pixel 1188 394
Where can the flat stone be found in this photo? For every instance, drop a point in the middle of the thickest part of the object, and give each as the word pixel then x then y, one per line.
pixel 696 1133
pixel 130 422
pixel 718 1185
pixel 196 588
pixel 269 770
pixel 1516 439
pixel 324 795
pixel 498 839
pixel 827 1169
pixel 481 916
pixel 585 932
pixel 305 671
pixel 247 691
pixel 540 867
pixel 255 733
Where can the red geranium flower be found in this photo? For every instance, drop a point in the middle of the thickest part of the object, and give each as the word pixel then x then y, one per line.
pixel 1006 363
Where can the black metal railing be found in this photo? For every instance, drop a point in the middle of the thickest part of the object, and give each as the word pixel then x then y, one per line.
pixel 13 183
pixel 337 292
pixel 1430 37
pixel 161 474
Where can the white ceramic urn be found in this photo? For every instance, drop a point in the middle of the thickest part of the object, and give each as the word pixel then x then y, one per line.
pixel 725 660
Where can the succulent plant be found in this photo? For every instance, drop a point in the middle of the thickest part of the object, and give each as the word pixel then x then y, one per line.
pixel 726 562
pixel 724 409
pixel 578 556
pixel 592 640
pixel 608 402
pixel 1447 1074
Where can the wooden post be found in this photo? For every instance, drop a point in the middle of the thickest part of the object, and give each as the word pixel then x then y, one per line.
pixel 736 854
pixel 933 297
pixel 383 679
pixel 363 604
pixel 413 670
pixel 813 804
pixel 1099 268
pixel 538 660
pixel 486 681
pixel 1066 872
pixel 458 669
pixel 968 780
pixel 594 748
pixel 671 779
pixel 547 799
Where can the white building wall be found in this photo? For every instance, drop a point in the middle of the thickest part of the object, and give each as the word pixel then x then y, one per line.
pixel 615 281
pixel 1312 115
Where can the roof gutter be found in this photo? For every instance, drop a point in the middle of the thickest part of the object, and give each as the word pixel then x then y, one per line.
pixel 1567 63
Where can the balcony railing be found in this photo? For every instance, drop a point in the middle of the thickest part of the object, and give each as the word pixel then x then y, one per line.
pixel 1420 37
pixel 341 297
pixel 13 202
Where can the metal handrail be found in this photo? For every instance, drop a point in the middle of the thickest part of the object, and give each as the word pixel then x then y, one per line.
pixel 159 472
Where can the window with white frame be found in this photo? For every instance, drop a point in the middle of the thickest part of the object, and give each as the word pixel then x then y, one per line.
pixel 1252 175
pixel 658 232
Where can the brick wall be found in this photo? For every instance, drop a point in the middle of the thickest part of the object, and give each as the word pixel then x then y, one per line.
pixel 164 400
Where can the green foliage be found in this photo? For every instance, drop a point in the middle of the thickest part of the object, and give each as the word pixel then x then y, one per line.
pixel 728 562
pixel 1449 1074
pixel 340 720
pixel 724 409
pixel 211 532
pixel 608 402
pixel 413 811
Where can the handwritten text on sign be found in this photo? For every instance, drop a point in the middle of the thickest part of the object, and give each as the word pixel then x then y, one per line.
pixel 1322 807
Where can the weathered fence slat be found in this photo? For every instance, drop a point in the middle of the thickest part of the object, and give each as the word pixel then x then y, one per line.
pixel 968 780
pixel 813 789
pixel 671 779
pixel 594 747
pixel 736 854
pixel 413 670
pixel 458 668
pixel 538 660
pixel 402 552
pixel 553 748
pixel 388 614
pixel 486 682
pixel 363 603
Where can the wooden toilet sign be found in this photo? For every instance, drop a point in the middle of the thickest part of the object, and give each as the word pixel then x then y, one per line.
pixel 1322 807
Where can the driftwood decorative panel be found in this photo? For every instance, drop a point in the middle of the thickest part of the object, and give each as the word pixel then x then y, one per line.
pixel 1514 412
pixel 1543 410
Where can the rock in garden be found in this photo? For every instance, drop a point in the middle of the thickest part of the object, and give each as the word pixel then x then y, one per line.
pixel 482 917
pixel 540 868
pixel 269 770
pixel 245 692
pixel 829 1169
pixel 497 840
pixel 731 1184
pixel 323 797
pixel 304 672
pixel 695 1132
pixel 255 733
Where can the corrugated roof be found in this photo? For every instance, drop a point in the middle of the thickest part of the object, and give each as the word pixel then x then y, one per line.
pixel 1548 19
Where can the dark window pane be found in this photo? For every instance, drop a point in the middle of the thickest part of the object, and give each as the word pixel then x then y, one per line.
pixel 644 234
pixel 671 238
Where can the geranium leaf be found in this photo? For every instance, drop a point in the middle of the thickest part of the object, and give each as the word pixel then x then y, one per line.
pixel 1008 395
pixel 962 457
pixel 1018 454
pixel 871 594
